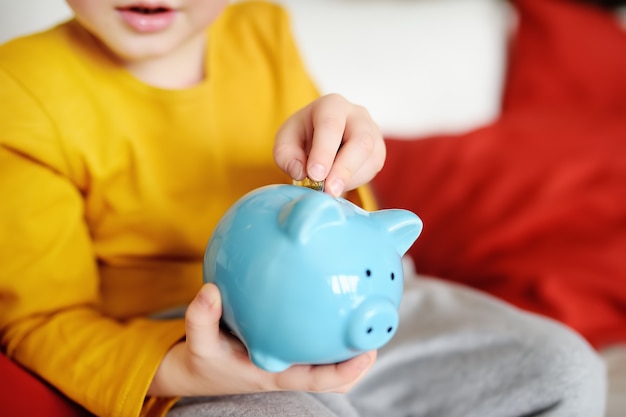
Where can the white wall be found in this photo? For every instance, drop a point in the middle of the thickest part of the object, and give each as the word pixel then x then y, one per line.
pixel 420 66
pixel 20 17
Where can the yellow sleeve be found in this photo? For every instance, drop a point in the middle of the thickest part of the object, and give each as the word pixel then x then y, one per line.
pixel 49 317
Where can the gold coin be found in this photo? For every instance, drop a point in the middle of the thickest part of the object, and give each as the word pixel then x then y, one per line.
pixel 309 183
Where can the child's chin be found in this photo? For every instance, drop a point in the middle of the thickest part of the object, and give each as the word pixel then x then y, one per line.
pixel 144 49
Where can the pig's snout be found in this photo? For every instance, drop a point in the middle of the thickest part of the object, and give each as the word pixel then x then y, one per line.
pixel 372 324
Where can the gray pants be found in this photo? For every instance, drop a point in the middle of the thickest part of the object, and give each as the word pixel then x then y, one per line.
pixel 457 353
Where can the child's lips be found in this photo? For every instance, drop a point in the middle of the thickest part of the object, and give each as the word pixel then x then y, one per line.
pixel 146 17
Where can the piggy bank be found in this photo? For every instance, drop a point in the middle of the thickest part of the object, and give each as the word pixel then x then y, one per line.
pixel 307 278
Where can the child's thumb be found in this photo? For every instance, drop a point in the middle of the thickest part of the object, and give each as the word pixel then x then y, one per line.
pixel 202 319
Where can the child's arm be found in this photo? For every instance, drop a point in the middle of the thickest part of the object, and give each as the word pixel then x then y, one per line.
pixel 331 139
pixel 210 362
pixel 49 316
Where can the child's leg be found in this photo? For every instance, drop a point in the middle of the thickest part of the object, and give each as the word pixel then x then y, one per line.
pixel 459 353
pixel 271 404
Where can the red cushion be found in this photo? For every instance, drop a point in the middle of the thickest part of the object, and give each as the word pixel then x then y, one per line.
pixel 23 394
pixel 533 207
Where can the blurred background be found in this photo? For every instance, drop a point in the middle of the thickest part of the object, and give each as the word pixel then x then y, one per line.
pixel 20 17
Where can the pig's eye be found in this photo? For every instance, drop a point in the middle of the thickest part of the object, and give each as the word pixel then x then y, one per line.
pixel 368 273
pixel 393 276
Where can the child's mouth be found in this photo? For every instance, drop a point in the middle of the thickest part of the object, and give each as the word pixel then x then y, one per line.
pixel 147 18
pixel 145 9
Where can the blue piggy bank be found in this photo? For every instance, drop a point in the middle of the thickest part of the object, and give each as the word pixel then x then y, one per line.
pixel 307 278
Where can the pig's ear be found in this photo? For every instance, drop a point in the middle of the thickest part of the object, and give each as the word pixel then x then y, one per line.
pixel 403 226
pixel 306 215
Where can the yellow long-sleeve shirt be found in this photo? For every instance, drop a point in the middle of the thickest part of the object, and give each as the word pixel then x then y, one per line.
pixel 110 188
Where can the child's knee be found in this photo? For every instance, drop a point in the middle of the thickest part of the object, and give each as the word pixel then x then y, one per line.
pixel 570 369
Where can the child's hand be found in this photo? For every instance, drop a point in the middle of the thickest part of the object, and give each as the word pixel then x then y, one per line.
pixel 307 145
pixel 210 362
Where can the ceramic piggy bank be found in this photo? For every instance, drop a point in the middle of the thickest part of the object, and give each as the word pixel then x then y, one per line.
pixel 307 278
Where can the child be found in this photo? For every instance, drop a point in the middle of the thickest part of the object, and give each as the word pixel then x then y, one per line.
pixel 126 133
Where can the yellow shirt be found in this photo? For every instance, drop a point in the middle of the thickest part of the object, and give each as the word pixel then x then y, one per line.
pixel 110 188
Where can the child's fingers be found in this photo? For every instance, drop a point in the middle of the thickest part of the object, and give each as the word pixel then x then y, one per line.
pixel 329 116
pixel 290 146
pixel 361 368
pixel 307 143
pixel 362 152
pixel 326 378
pixel 202 320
